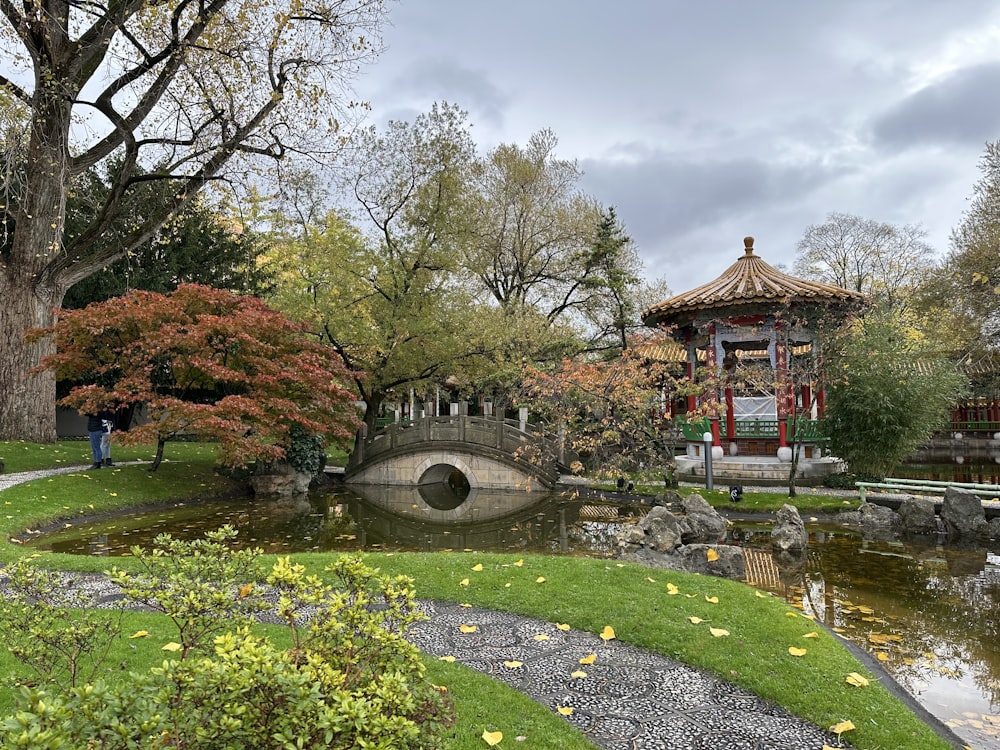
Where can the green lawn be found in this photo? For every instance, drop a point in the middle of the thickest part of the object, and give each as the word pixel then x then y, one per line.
pixel 589 594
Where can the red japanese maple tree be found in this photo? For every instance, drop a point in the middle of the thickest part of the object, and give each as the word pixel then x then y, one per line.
pixel 202 362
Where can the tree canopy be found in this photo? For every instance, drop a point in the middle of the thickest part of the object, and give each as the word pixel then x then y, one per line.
pixel 182 91
pixel 204 362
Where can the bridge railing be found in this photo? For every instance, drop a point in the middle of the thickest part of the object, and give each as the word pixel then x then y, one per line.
pixel 529 444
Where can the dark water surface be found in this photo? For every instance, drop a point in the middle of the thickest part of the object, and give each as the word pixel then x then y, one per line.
pixel 930 612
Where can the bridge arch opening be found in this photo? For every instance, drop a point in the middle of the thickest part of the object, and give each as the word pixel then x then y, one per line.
pixel 444 487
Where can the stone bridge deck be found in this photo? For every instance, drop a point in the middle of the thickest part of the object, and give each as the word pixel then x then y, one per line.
pixel 491 452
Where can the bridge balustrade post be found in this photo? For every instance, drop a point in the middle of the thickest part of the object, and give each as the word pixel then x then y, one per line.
pixel 426 427
pixel 461 427
pixel 499 440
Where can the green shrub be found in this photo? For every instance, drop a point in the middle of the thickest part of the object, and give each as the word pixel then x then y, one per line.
pixel 350 679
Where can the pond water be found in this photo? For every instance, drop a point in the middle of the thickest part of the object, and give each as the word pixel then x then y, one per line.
pixel 928 611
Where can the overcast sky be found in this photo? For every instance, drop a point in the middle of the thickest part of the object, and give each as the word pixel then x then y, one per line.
pixel 703 122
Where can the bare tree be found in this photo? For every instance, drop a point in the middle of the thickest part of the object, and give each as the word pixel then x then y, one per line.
pixel 179 91
pixel 882 261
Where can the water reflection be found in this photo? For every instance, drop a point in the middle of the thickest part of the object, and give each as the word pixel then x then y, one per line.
pixel 928 611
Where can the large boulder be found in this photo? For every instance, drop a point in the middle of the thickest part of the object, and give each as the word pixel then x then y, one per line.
pixel 280 479
pixel 701 523
pixel 918 515
pixel 727 561
pixel 963 514
pixel 789 533
pixel 872 517
pixel 993 530
pixel 661 529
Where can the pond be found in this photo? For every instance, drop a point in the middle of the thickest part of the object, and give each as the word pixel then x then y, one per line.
pixel 927 611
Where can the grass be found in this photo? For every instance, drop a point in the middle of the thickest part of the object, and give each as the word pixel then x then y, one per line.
pixel 586 593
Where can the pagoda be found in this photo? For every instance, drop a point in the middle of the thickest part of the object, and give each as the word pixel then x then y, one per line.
pixel 752 334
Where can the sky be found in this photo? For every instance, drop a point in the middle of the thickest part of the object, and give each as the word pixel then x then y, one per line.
pixel 704 122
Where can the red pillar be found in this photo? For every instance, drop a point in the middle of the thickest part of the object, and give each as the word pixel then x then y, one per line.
pixel 821 402
pixel 781 390
pixel 806 396
pixel 712 366
pixel 730 415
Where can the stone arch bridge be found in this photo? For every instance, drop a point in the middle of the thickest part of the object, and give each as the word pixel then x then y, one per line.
pixel 489 452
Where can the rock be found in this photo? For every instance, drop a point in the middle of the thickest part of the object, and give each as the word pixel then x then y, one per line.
pixel 871 516
pixel 701 523
pixel 662 530
pixel 993 529
pixel 731 562
pixel 281 480
pixel 963 513
pixel 789 533
pixel 918 516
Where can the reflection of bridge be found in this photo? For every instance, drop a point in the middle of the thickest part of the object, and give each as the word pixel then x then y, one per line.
pixel 486 452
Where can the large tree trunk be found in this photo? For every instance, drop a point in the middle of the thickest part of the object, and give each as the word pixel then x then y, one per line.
pixel 27 401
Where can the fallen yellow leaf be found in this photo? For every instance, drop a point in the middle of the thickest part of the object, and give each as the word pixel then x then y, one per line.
pixel 564 710
pixel 672 589
pixel 541 637
pixel 464 582
pixel 843 726
pixel 696 620
pixel 650 579
pixel 813 634
pixel 578 674
pixel 718 632
pixel 796 651
pixel 467 628
pixel 608 634
pixel 492 738
pixel 712 599
pixel 855 679
pixel 540 579
pixel 882 656
pixel 712 555
pixel 245 590
pixel 562 626
pixel 139 634
pixel 173 647
pixel 477 567
pixel 465 604
pixel 519 563
pixel 760 594
pixel 588 659
pixel 513 664
pixel 446 658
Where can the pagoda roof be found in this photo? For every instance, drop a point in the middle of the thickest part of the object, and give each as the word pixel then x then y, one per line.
pixel 748 281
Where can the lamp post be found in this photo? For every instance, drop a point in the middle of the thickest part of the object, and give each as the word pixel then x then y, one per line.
pixel 707 438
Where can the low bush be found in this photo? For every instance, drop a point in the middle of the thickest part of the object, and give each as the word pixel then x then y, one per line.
pixel 349 679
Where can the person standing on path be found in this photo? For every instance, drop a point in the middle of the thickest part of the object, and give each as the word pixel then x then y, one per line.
pixel 95 429
pixel 107 426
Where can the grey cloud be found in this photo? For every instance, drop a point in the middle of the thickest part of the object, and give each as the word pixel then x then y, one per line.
pixel 443 80
pixel 961 109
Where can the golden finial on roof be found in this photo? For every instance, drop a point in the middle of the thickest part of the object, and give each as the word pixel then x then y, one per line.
pixel 748 245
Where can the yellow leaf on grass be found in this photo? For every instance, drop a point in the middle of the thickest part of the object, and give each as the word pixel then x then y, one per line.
pixel 465 604
pixel 492 738
pixel 467 628
pixel 855 679
pixel 540 579
pixel 446 658
pixel 718 632
pixel 712 599
pixel 796 651
pixel 513 664
pixel 650 579
pixel 813 634
pixel 696 620
pixel 464 582
pixel 578 674
pixel 564 710
pixel 139 634
pixel 477 567
pixel 672 589
pixel 760 594
pixel 173 647
pixel 843 726
pixel 608 634
pixel 712 555
pixel 589 659
pixel 519 563
pixel 562 626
